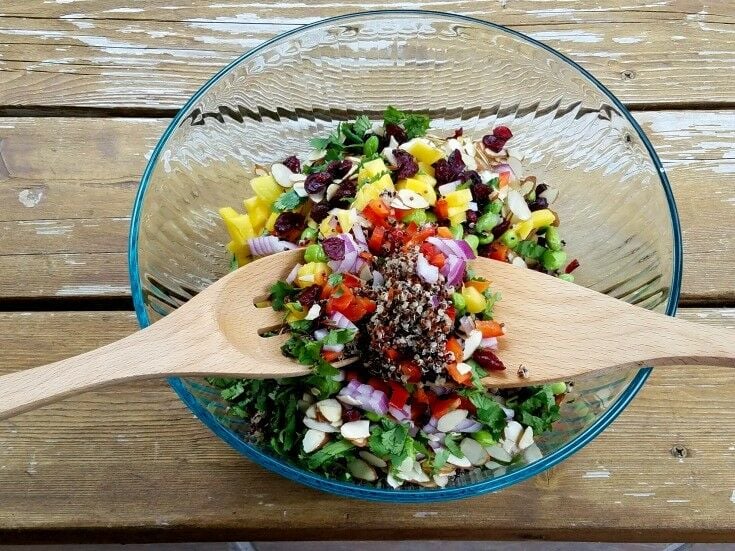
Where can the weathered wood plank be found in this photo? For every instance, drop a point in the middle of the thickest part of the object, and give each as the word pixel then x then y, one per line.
pixel 156 54
pixel 165 477
pixel 67 185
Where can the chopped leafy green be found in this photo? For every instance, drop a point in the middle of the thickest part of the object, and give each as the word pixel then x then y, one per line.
pixel 287 201
pixel 489 411
pixel 415 125
pixel 329 453
pixel 233 263
pixel 279 292
pixel 440 459
pixel 334 279
pixel 453 447
pixel 301 326
pixel 339 336
pixel 305 350
pixel 385 441
pixel 370 149
pixel 323 379
pixel 535 407
pixel 490 300
pixel 361 125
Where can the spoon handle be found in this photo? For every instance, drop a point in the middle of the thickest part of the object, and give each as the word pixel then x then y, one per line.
pixel 167 347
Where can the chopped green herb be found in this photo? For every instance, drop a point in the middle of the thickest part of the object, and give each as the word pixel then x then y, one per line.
pixel 288 201
pixel 339 336
pixel 329 453
pixel 453 447
pixel 279 292
pixel 334 279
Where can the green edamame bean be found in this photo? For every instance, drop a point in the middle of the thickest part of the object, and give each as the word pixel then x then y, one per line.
pixel 416 216
pixel 567 277
pixel 486 239
pixel 495 207
pixel 509 239
pixel 473 241
pixel 559 387
pixel 459 302
pixel 457 231
pixel 553 239
pixel 309 234
pixel 486 222
pixel 553 260
pixel 315 253
pixel 484 438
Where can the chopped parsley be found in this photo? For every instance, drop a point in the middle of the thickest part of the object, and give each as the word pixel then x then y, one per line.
pixel 279 292
pixel 415 125
pixel 288 201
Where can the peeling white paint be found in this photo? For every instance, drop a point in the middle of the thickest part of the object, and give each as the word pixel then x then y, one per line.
pixel 640 494
pixel 597 474
pixel 91 290
pixel 568 36
pixel 627 39
pixel 29 198
pixel 732 497
pixel 125 10
pixel 425 514
pixel 677 501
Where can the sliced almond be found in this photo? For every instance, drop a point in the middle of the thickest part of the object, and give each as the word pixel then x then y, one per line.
pixel 311 412
pixel 463 368
pixel 527 186
pixel 418 475
pixel 300 190
pixel 517 205
pixel 360 469
pixel 355 430
pixel 313 440
pixel 526 438
pixel 449 421
pixel 331 190
pixel 319 425
pixel 519 262
pixel 313 312
pixel 516 166
pixel 331 409
pixel 349 400
pixel 471 343
pixel 461 462
pixel 393 482
pixel 532 453
pixel 473 451
pixel 448 470
pixel 412 199
pixel 550 195
pixel 282 175
pixel 497 452
pixel 492 465
pixel 513 431
pixel 405 469
pixel 360 442
pixel 441 480
pixel 316 155
pixel 509 446
pixel 373 459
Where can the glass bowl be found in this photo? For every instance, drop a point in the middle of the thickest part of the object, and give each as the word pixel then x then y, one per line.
pixel 618 214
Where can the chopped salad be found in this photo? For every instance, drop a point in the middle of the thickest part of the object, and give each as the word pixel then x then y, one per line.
pixel 385 306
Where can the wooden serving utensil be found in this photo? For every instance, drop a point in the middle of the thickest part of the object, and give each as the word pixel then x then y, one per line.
pixel 556 331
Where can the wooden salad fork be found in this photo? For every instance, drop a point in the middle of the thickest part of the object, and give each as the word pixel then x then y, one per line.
pixel 556 331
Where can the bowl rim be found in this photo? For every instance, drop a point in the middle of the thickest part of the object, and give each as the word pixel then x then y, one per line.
pixel 292 472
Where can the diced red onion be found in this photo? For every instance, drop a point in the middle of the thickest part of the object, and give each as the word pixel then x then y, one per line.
pixel 351 387
pixel 429 429
pixel 359 234
pixel 454 270
pixel 504 167
pixel 456 247
pixel 268 244
pixel 377 402
pixel 365 390
pixel 433 421
pixel 359 265
pixel 446 189
pixel 509 413
pixel 427 272
pixel 436 446
pixel 366 396
pixel 292 274
pixel 466 324
pixel 413 430
pixel 365 273
pixel 490 342
pixel 341 322
pixel 468 425
pixel 333 347
pixel 398 414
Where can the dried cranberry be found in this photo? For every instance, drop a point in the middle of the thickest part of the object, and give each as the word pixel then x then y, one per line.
pixel 573 265
pixel 456 162
pixel 320 211
pixel 472 177
pixel 488 360
pixel 346 190
pixel 501 228
pixel 471 216
pixel 317 182
pixel 407 165
pixel 334 247
pixel 539 203
pixel 339 169
pixel 480 194
pixel 309 296
pixel 450 169
pixel 351 415
pixel 484 251
pixel 395 131
pixel 493 143
pixel 541 188
pixel 457 133
pixel 293 163
pixel 287 224
pixel 502 133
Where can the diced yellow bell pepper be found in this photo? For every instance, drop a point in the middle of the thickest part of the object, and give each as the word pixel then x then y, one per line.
pixel 228 212
pixel 312 273
pixel 461 197
pixel 425 168
pixel 423 150
pixel 295 311
pixel 455 211
pixel 266 188
pixel 458 219
pixel 539 219
pixel 242 254
pixel 240 229
pixel 384 184
pixel 368 192
pixel 421 187
pixel 259 212
pixel 270 224
pixel 474 300
pixel 346 218
pixel 370 170
pixel 325 228
pixel 426 178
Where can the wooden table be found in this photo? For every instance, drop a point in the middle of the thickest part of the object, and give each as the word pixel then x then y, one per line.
pixel 86 88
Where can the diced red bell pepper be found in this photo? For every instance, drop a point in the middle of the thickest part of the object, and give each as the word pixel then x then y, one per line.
pixel 330 355
pixel 489 328
pixel 340 299
pixel 379 384
pixel 465 379
pixel 498 251
pixel 452 313
pixel 355 311
pixel 411 371
pixel 375 243
pixel 444 405
pixel 399 395
pixel 442 209
pixel 351 281
pixel 444 232
pixel 352 376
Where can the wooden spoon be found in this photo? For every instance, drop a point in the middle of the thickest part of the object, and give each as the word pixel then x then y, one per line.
pixel 556 330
